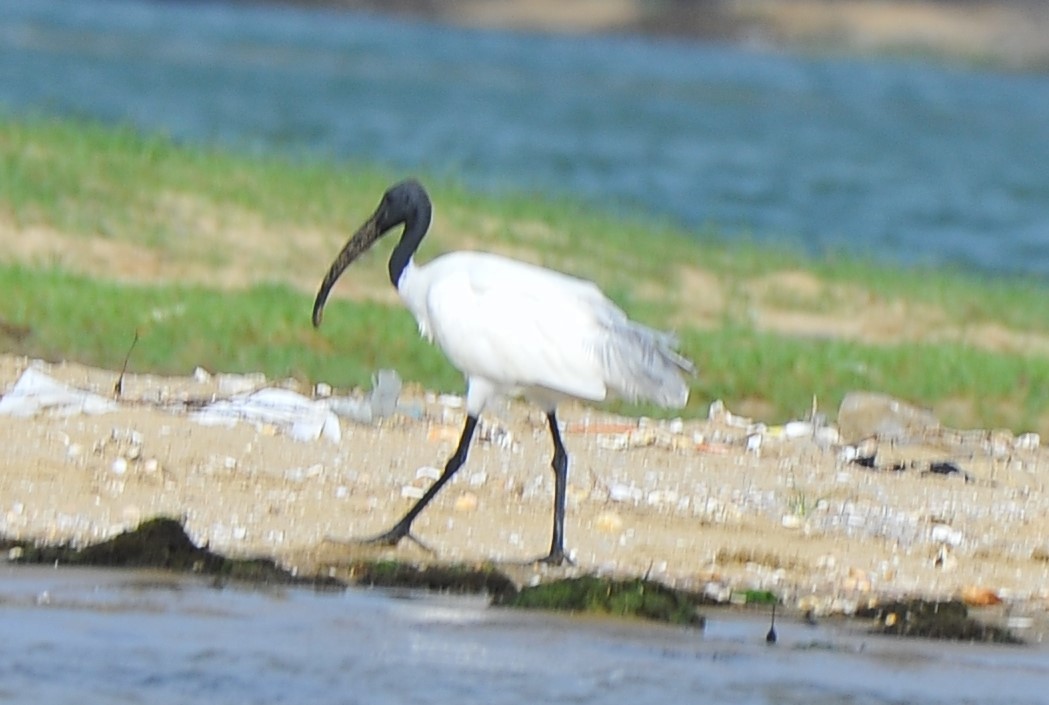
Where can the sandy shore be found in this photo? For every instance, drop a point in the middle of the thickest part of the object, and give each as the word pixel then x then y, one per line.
pixel 716 505
pixel 1004 33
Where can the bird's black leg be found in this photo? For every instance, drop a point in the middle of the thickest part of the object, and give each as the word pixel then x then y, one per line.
pixel 402 528
pixel 560 465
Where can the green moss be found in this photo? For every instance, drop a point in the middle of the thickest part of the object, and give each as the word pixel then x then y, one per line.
pixel 644 599
pixel 759 597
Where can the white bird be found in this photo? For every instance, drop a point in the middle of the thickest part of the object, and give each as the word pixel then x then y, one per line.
pixel 514 328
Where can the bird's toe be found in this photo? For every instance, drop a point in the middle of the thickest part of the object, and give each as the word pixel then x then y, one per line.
pixel 556 558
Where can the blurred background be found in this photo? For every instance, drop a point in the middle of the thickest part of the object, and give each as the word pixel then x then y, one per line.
pixel 911 131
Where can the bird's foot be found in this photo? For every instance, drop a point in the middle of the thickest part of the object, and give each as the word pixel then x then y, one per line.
pixel 393 537
pixel 389 538
pixel 555 559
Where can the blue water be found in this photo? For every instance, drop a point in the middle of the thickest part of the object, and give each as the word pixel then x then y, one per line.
pixel 84 636
pixel 902 160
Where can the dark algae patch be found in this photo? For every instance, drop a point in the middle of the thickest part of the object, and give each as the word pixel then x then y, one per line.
pixel 458 579
pixel 934 620
pixel 626 598
pixel 162 543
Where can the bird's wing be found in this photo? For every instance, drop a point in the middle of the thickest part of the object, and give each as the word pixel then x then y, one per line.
pixel 516 325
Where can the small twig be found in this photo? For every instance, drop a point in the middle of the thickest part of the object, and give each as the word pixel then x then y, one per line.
pixel 118 388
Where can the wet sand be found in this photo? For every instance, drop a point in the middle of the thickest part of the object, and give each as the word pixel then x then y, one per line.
pixel 715 505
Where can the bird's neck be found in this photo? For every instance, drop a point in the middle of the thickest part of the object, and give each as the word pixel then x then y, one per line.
pixel 415 227
pixel 405 275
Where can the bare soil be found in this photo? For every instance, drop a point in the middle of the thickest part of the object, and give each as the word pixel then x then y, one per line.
pixel 697 504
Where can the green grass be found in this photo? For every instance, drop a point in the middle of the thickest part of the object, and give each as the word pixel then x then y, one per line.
pixel 785 373
pixel 94 180
pixel 89 181
pixel 265 328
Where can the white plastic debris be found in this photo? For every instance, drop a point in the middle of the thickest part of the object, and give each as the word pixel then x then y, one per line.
pixel 382 402
pixel 357 410
pixel 754 442
pixel 1027 441
pixel 231 384
pixel 412 492
pixel 624 493
pixel 942 533
pixel 300 417
pixel 427 472
pixel 36 392
pixel 797 429
pixel 386 387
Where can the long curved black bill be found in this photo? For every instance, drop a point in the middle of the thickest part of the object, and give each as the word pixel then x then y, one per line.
pixel 365 236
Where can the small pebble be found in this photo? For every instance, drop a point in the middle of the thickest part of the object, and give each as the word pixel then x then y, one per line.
pixel 797 429
pixel 412 492
pixel 624 493
pixel 427 472
pixel 608 522
pixel 450 401
pixel 1027 441
pixel 466 502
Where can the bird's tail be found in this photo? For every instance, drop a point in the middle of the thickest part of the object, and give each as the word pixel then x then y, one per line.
pixel 643 364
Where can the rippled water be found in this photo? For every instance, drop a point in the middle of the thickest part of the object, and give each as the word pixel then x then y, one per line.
pixel 85 636
pixel 907 161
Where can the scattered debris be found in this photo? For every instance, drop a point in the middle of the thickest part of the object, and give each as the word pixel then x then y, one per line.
pixel 300 417
pixel 813 483
pixel 381 403
pixel 869 414
pixel 37 393
pixel 865 461
pixel 977 596
pixel 934 467
pixel 946 467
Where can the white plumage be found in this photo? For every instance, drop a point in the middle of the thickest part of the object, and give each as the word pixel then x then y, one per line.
pixel 515 328
pixel 525 329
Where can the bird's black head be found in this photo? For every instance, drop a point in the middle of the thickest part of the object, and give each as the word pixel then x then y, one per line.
pixel 404 203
